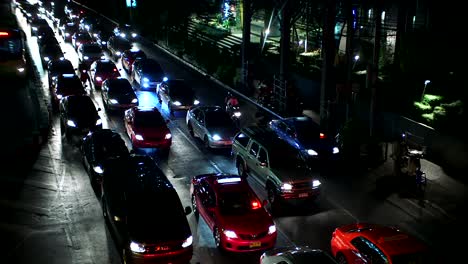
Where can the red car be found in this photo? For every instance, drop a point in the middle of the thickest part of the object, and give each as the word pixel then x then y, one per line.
pixel 129 56
pixel 233 212
pixel 101 70
pixel 363 243
pixel 147 128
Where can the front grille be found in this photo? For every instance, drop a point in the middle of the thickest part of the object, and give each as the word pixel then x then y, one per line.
pixel 304 185
pixel 253 236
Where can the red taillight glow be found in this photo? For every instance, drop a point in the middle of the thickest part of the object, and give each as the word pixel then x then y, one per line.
pixel 4 34
pixel 322 136
pixel 115 69
pixel 256 205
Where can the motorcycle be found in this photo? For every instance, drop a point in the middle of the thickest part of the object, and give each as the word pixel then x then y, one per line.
pixel 235 113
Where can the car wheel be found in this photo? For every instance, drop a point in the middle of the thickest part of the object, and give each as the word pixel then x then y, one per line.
pixel 217 237
pixel 241 168
pixel 190 130
pixel 340 258
pixel 272 196
pixel 194 207
pixel 206 142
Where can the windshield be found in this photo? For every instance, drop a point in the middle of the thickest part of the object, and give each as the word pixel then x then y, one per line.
pixel 58 68
pixel 112 147
pixel 52 49
pixel 284 156
pixel 119 86
pixel 10 48
pixel 106 67
pixel 149 119
pixel 151 69
pixel 69 84
pixel 180 89
pixel 92 49
pixel 218 119
pixel 313 257
pixel 235 203
pixel 81 106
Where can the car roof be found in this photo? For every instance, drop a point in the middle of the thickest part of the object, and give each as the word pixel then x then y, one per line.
pixel 226 182
pixel 208 108
pixel 267 137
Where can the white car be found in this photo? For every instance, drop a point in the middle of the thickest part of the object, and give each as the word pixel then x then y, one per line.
pixel 296 255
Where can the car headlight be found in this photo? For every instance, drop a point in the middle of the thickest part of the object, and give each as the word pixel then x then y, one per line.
pixel 145 85
pixel 46 59
pixel 165 79
pixel 113 101
pixel 138 137
pixel 67 34
pixel 216 137
pixel 87 27
pixel 99 122
pixel 136 247
pixel 145 80
pixel 71 123
pixel 312 152
pixel 123 35
pixel 98 169
pixel 134 101
pixel 168 136
pixel 95 35
pixel 86 57
pixel 98 78
pixel 134 35
pixel 237 114
pixel 103 42
pixel 286 187
pixel 336 150
pixel 59 96
pixel 34 28
pixel 271 229
pixel 316 183
pixel 103 57
pixel 77 43
pixel 20 69
pixel 176 103
pixel 196 102
pixel 118 53
pixel 187 242
pixel 230 234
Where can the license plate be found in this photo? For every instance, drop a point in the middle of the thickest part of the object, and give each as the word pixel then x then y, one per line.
pixel 303 195
pixel 255 244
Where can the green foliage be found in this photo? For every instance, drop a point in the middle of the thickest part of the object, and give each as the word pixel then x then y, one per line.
pixel 423 106
pixel 432 99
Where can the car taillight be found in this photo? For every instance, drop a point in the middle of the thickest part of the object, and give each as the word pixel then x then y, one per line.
pixel 322 136
pixel 256 205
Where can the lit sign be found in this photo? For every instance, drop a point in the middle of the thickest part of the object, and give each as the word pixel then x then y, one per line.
pixel 131 3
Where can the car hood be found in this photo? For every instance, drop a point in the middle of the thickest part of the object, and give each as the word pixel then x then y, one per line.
pixel 223 132
pixel 291 174
pixel 152 131
pixel 123 96
pixel 83 119
pixel 183 99
pixel 163 229
pixel 254 222
pixel 93 54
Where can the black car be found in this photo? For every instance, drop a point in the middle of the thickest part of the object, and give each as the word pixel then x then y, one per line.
pixel 147 73
pixel 59 67
pixel 129 56
pixel 98 146
pixel 45 35
pixel 78 116
pixel 65 85
pixel 87 23
pixel 117 45
pixel 118 94
pixel 144 212
pixel 177 95
pixel 79 38
pixel 68 30
pixel 102 37
pixel 36 24
pixel 125 31
pixel 50 51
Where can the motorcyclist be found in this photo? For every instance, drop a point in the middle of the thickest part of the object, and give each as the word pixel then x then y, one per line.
pixel 83 72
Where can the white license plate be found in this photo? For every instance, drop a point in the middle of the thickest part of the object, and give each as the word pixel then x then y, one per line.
pixel 303 195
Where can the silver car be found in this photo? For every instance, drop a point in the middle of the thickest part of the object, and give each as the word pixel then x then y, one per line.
pixel 212 124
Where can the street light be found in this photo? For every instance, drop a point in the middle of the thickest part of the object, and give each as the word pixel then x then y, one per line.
pixel 426 82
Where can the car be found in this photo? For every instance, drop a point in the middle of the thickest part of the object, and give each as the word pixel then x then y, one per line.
pixel 102 37
pixel 117 45
pixel 235 215
pixel 125 31
pixel 96 147
pixel 129 56
pixel 87 23
pixel 374 243
pixel 306 135
pixel 296 255
pixel 144 212
pixel 147 73
pixel 211 124
pixel 279 167
pixel 147 128
pixel 100 70
pixel 68 30
pixel 65 85
pixel 79 38
pixel 50 51
pixel 78 116
pixel 36 23
pixel 59 67
pixel 177 95
pixel 89 52
pixel 117 94
pixel 45 35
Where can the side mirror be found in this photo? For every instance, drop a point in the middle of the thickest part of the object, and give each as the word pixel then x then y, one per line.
pixel 188 210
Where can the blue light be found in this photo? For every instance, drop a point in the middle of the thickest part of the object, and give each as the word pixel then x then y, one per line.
pixel 165 79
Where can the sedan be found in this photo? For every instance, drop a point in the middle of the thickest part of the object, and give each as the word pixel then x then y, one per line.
pixel 236 216
pixel 79 38
pixel 59 67
pixel 144 212
pixel 89 52
pixel 147 128
pixel 129 56
pixel 118 94
pixel 102 37
pixel 296 255
pixel 100 71
pixel 305 135
pixel 65 85
pixel 68 30
pixel 177 95
pixel 117 45
pixel 78 116
pixel 212 124
pixel 50 52
pixel 372 243
pixel 148 73
pixel 98 146
pixel 125 31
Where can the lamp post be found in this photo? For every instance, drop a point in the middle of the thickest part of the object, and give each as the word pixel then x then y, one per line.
pixel 426 82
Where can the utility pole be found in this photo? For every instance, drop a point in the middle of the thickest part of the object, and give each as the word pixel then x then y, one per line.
pixel 373 68
pixel 349 49
pixel 328 58
pixel 246 31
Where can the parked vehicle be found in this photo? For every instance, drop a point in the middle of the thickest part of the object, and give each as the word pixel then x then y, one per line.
pixel 296 255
